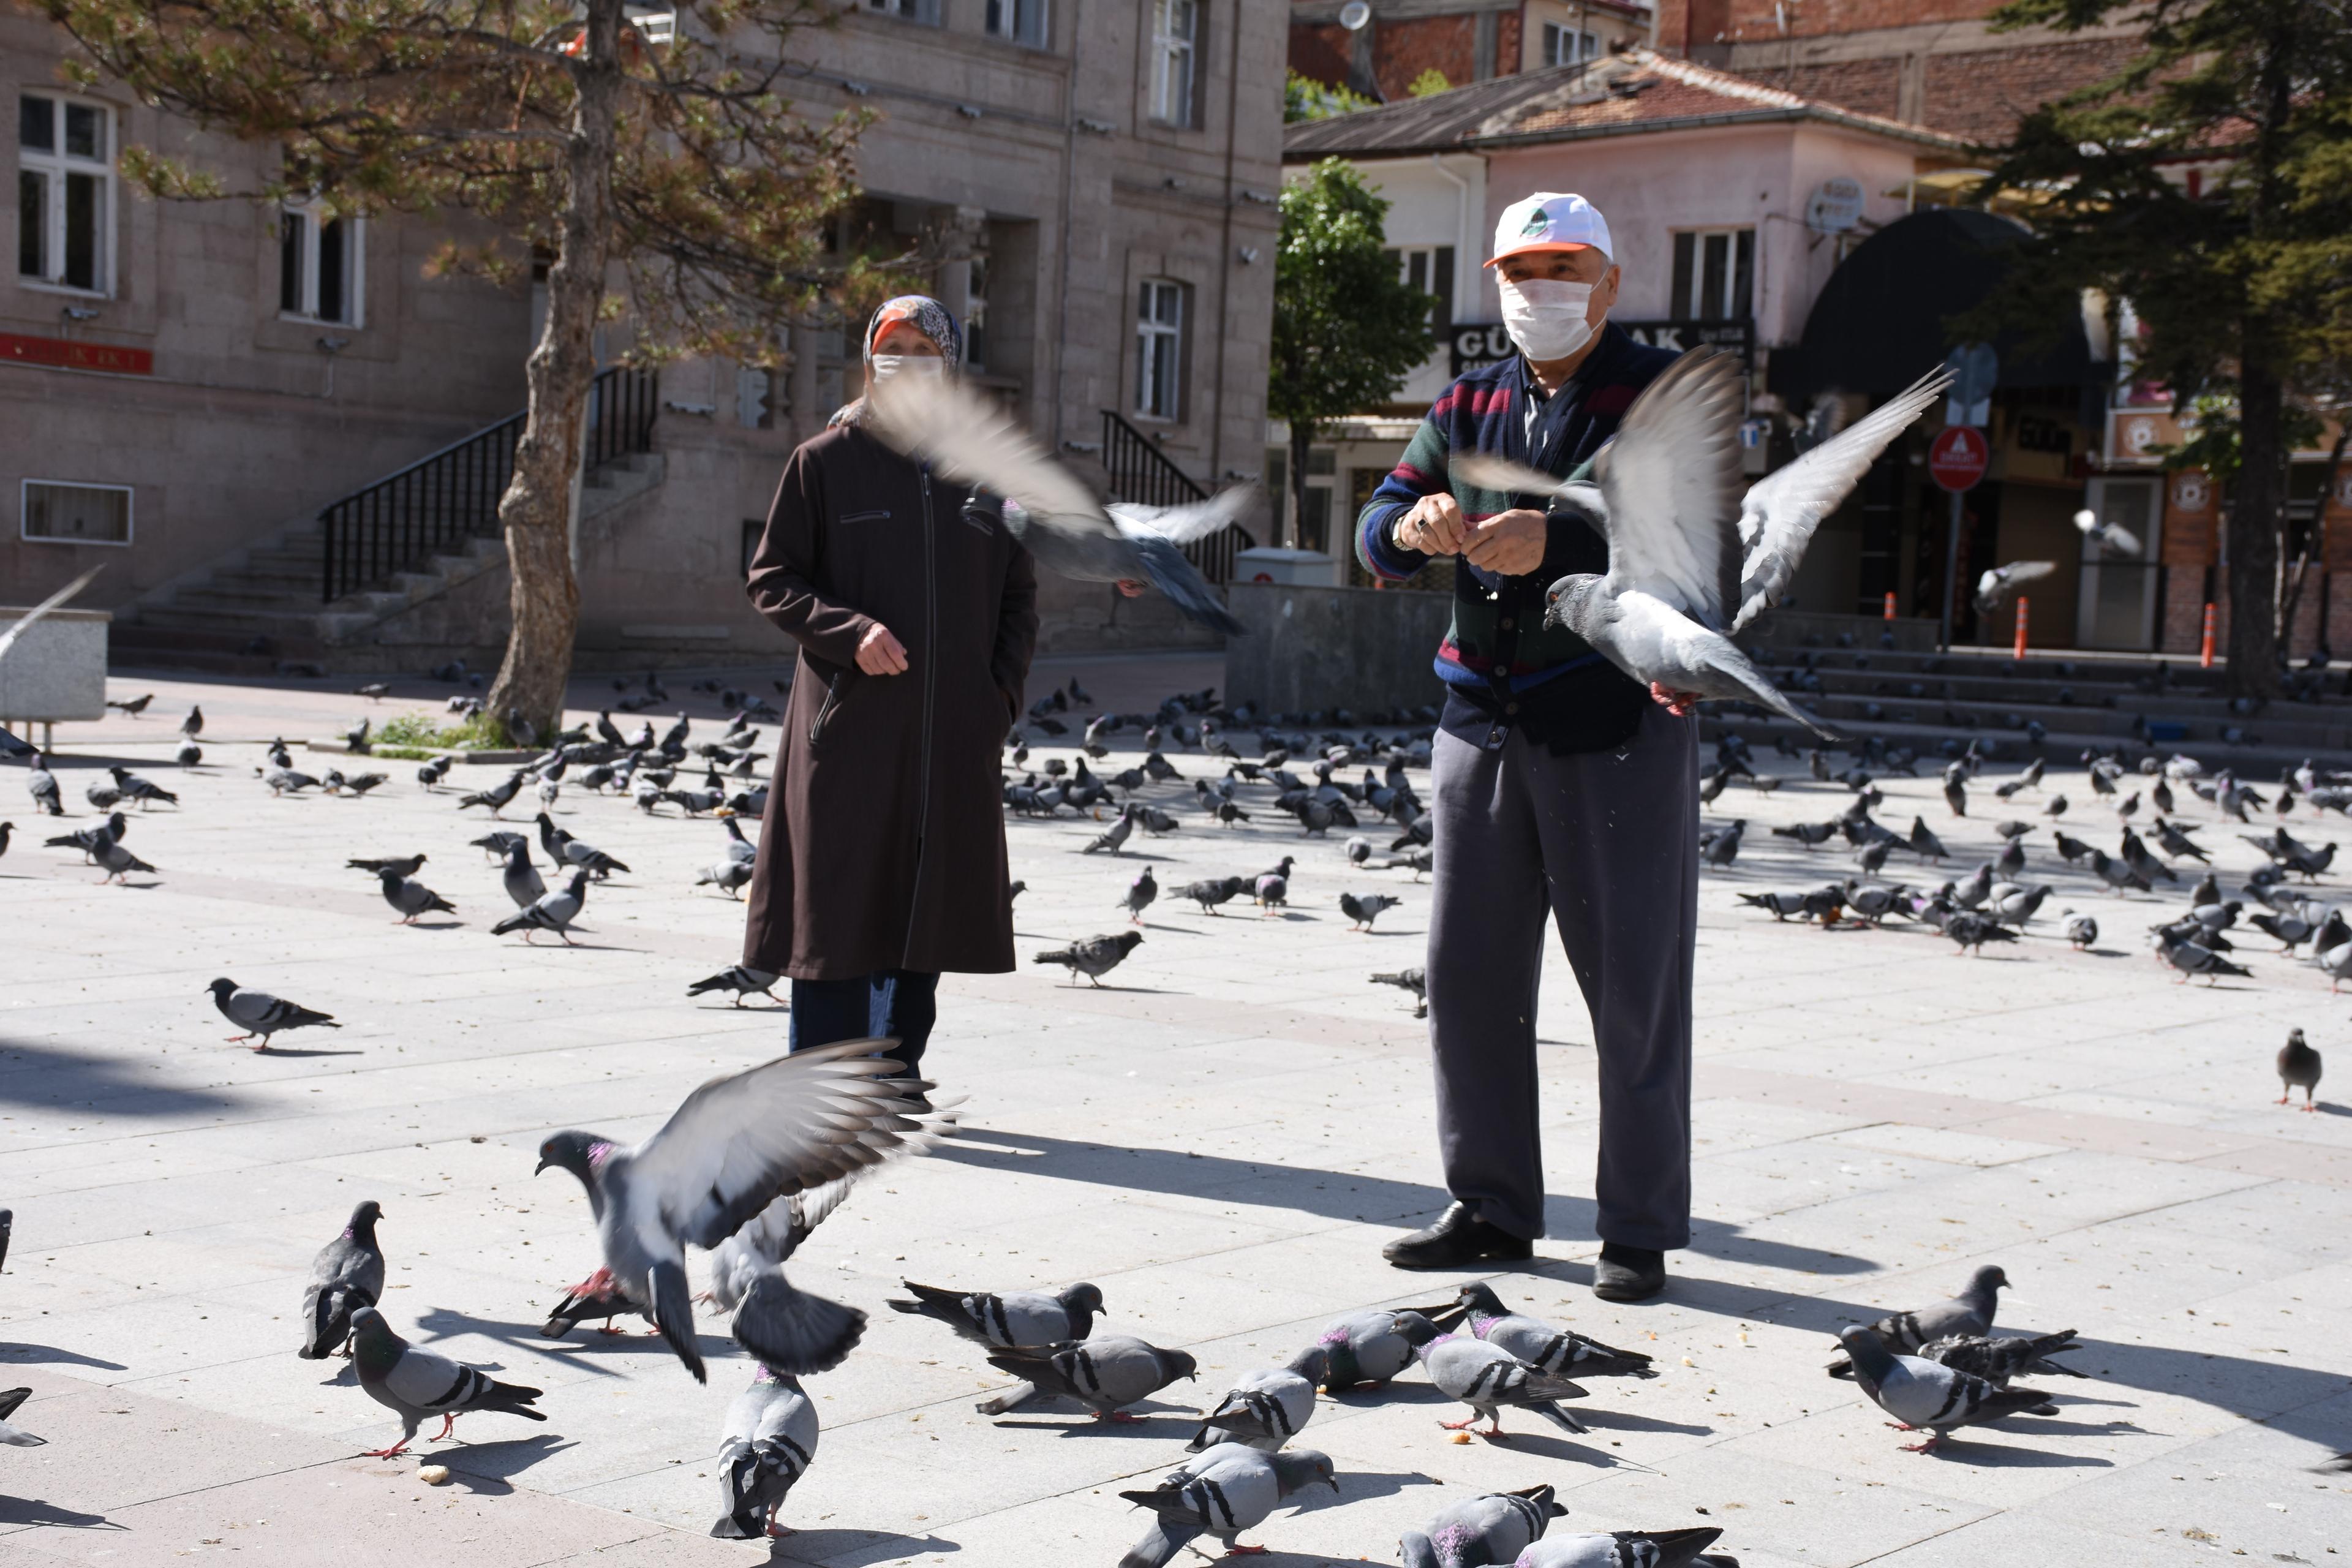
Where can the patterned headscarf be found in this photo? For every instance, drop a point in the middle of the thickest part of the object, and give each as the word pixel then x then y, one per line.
pixel 928 317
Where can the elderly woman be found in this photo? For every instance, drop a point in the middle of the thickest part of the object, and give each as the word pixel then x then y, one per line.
pixel 882 861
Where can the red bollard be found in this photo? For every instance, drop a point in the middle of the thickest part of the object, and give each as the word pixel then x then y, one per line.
pixel 1890 604
pixel 2205 654
pixel 2019 652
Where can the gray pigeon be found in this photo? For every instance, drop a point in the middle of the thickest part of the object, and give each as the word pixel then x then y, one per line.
pixel 1363 909
pixel 1999 1359
pixel 1628 1549
pixel 1214 890
pixel 1487 1378
pixel 1690 561
pixel 767 1439
pixel 521 879
pixel 2195 958
pixel 2081 929
pixel 1927 1396
pixel 1374 1345
pixel 1970 1312
pixel 1096 956
pixel 405 865
pixel 15 1436
pixel 496 795
pixel 1106 1373
pixel 1118 836
pixel 1228 1489
pixel 259 1013
pixel 741 979
pixel 1561 1351
pixel 42 785
pixel 348 1274
pixel 730 1149
pixel 554 911
pixel 1140 894
pixel 1496 1528
pixel 412 899
pixel 1414 979
pixel 1018 1319
pixel 1265 1409
pixel 118 862
pixel 2298 1067
pixel 727 876
pixel 414 1383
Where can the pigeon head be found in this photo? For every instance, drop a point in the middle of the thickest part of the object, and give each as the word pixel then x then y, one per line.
pixel 1416 1329
pixel 373 1343
pixel 1569 601
pixel 363 1220
pixel 221 988
pixel 1128 940
pixel 1303 1468
pixel 1083 1298
pixel 578 1153
pixel 1985 1283
pixel 1478 1298
pixel 1313 1363
pixel 1178 1363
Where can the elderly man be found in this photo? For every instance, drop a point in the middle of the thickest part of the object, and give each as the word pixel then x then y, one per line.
pixel 1560 785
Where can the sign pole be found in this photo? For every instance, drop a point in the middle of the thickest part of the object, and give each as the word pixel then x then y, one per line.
pixel 1956 461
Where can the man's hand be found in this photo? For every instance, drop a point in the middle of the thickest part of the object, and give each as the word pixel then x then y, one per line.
pixel 1678 703
pixel 879 653
pixel 1434 526
pixel 1510 543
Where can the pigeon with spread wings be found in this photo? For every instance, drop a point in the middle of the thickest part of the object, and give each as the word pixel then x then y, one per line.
pixel 730 1149
pixel 1690 559
pixel 2001 582
pixel 969 439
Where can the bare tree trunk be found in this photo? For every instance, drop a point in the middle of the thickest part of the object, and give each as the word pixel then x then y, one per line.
pixel 2255 509
pixel 536 510
pixel 2314 538
pixel 1302 441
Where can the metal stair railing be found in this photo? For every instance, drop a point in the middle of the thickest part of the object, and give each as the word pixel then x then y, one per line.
pixel 406 518
pixel 1141 472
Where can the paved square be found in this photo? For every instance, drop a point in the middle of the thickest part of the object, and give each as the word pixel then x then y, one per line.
pixel 1220 1139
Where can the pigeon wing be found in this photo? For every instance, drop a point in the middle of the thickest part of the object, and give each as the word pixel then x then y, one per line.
pixel 1488 472
pixel 1671 478
pixel 1182 581
pixel 972 439
pixel 1777 518
pixel 1189 523
pixel 738 1142
pixel 2018 571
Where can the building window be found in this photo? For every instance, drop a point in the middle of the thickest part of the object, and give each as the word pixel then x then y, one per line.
pixel 65 192
pixel 1023 21
pixel 1175 34
pixel 1159 350
pixel 1569 45
pixel 319 266
pixel 1715 275
pixel 1430 268
pixel 754 528
pixel 924 11
pixel 76 514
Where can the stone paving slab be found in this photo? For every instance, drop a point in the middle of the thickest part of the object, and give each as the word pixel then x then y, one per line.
pixel 1220 1139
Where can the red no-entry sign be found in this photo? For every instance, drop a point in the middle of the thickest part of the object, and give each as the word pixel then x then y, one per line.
pixel 1957 459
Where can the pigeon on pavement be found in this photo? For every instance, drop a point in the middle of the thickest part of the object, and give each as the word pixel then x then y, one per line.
pixel 1140 894
pixel 1214 890
pixel 1374 1345
pixel 1265 1409
pixel 405 865
pixel 741 979
pixel 1562 1352
pixel 1225 1491
pixel 1628 1549
pixel 554 912
pixel 348 1274
pixel 118 862
pixel 2081 929
pixel 1998 1360
pixel 1970 1312
pixel 414 1383
pixel 15 1436
pixel 90 839
pixel 497 794
pixel 410 898
pixel 767 1440
pixel 1017 1320
pixel 43 786
pixel 2196 958
pixel 1493 1528
pixel 727 876
pixel 521 878
pixel 1106 1373
pixel 730 1149
pixel 259 1013
pixel 1927 1396
pixel 1363 909
pixel 1486 1377
pixel 1096 956
pixel 2298 1067
pixel 1414 979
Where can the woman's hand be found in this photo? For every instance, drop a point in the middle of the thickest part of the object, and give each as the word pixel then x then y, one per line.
pixel 879 653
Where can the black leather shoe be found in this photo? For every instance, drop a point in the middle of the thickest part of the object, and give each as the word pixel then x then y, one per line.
pixel 1458 1239
pixel 1628 1273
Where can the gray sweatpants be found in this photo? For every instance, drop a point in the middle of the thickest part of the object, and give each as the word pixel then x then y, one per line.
pixel 1608 842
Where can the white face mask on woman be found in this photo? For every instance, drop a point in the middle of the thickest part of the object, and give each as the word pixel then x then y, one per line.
pixel 1545 316
pixel 884 366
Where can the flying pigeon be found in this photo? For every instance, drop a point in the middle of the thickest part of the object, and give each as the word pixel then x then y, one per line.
pixel 1561 1351
pixel 554 911
pixel 410 898
pixel 348 1274
pixel 2001 582
pixel 1096 956
pixel 259 1013
pixel 414 1383
pixel 968 436
pixel 1927 1396
pixel 1105 1372
pixel 2109 536
pixel 1018 1319
pixel 1496 1528
pixel 1227 1489
pixel 1486 1377
pixel 730 1149
pixel 1363 909
pixel 1265 1409
pixel 1690 561
pixel 741 979
pixel 767 1440
pixel 2298 1067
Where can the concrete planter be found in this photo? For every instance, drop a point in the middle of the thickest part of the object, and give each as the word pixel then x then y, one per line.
pixel 56 671
pixel 1307 648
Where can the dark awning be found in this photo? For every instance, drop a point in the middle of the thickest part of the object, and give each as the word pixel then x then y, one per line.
pixel 1879 323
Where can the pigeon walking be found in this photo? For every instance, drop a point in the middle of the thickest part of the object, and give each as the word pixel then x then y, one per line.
pixel 766 1444
pixel 1373 1346
pixel 1927 1396
pixel 1489 1378
pixel 118 862
pixel 521 878
pixel 2298 1067
pixel 1628 1549
pixel 260 1013
pixel 1494 1528
pixel 412 899
pixel 43 786
pixel 194 725
pixel 413 1384
pixel 1998 1360
pixel 348 1274
pixel 1106 1373
pixel 554 912
pixel 1096 956
pixel 1414 979
pixel 741 981
pixel 1561 1351
pixel 1215 890
pixel 1970 1312
pixel 1140 894
pixel 1224 1492
pixel 1017 1320
pixel 1363 909
pixel 1265 1409
pixel 730 1149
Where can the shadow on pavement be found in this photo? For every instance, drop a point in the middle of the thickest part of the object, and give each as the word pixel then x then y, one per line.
pixel 47 1076
pixel 485 1467
pixel 50 1355
pixel 826 1545
pixel 32 1511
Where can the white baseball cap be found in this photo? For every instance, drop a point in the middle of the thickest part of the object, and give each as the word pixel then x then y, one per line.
pixel 1549 220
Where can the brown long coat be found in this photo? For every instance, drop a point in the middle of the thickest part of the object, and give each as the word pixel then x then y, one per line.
pixel 884 845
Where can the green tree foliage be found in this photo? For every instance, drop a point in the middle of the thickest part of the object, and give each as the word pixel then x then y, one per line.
pixel 1429 84
pixel 1347 328
pixel 658 173
pixel 1303 97
pixel 2209 183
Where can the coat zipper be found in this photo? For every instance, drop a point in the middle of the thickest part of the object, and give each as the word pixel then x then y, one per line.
pixel 931 667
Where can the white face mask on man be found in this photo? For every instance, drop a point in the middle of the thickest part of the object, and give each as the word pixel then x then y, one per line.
pixel 884 366
pixel 1545 316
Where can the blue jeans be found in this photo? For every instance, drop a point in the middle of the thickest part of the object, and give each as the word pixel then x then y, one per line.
pixel 902 1003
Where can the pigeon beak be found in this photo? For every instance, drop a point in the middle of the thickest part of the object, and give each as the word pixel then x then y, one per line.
pixel 538 1168
pixel 1332 1482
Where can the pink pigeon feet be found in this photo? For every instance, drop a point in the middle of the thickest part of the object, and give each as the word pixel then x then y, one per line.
pixel 448 1424
pixel 1238 1550
pixel 385 1453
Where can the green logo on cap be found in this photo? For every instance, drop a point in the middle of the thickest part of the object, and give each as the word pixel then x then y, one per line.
pixel 1538 221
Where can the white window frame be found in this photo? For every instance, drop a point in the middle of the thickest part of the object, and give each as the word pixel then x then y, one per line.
pixel 25 513
pixel 1687 310
pixel 1159 345
pixel 923 13
pixel 55 166
pixel 1175 62
pixel 1004 19
pixel 311 215
pixel 1586 45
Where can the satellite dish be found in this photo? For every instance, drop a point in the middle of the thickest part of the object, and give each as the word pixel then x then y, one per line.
pixel 1354 14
